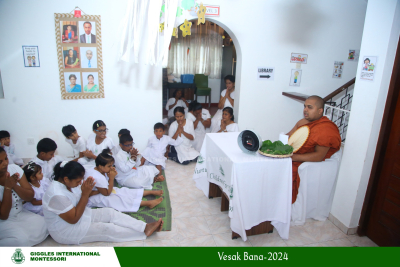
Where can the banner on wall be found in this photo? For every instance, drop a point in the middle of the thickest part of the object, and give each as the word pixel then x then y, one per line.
pixel 79 51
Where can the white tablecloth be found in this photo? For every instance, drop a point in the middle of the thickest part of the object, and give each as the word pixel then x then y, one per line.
pixel 259 188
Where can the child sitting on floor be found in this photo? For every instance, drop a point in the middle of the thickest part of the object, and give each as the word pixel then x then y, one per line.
pixel 98 142
pixel 117 148
pixel 9 148
pixel 45 157
pixel 106 195
pixel 78 143
pixel 128 174
pixel 34 175
pixel 157 146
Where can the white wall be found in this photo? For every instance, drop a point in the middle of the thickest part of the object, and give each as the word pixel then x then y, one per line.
pixel 33 105
pixel 265 33
pixel 380 38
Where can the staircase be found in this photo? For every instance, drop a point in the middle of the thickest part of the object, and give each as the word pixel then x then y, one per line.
pixel 337 105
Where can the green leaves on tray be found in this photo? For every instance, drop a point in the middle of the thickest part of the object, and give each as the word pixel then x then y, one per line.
pixel 276 148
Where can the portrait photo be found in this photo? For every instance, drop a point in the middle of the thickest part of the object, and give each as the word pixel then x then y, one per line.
pixel 69 31
pixel 71 57
pixel 90 82
pixel 87 31
pixel 88 57
pixel 73 82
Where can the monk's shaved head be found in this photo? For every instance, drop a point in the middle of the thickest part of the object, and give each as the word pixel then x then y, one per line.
pixel 319 102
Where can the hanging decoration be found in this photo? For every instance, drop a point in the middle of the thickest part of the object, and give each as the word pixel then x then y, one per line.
pixel 201 14
pixel 161 27
pixel 185 28
pixel 175 32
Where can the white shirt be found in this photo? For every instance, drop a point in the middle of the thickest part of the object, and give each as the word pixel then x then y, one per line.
pixel 9 149
pixel 98 148
pixel 179 103
pixel 47 166
pixel 156 149
pixel 185 150
pixel 88 38
pixel 200 130
pixel 234 127
pixel 227 103
pixel 39 193
pixel 58 200
pixel 80 145
pixel 124 165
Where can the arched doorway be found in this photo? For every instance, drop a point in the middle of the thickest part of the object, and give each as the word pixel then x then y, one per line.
pixel 229 63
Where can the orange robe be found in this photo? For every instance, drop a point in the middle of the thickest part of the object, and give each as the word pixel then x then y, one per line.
pixel 323 132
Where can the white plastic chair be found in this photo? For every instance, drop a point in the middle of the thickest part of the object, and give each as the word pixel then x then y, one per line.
pixel 317 187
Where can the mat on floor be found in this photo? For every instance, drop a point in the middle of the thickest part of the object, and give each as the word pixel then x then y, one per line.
pixel 162 210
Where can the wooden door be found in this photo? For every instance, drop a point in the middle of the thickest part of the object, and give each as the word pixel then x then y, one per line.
pixel 384 223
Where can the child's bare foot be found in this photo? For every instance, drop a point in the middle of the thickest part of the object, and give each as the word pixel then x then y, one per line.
pixel 155 202
pixel 157 192
pixel 159 178
pixel 152 227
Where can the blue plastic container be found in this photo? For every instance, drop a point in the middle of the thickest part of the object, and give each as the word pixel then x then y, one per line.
pixel 187 78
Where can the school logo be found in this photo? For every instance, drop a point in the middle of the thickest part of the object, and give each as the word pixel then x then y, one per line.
pixel 200 159
pixel 18 257
pixel 221 170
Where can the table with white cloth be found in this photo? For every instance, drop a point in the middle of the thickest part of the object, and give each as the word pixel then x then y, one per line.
pixel 259 188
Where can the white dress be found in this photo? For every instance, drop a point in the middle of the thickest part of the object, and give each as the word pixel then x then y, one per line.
pixel 39 193
pixel 218 115
pixel 48 166
pixel 170 102
pixel 233 127
pixel 200 131
pixel 98 148
pixel 156 148
pixel 95 225
pixel 80 146
pixel 22 228
pixel 13 159
pixel 131 176
pixel 122 199
pixel 185 150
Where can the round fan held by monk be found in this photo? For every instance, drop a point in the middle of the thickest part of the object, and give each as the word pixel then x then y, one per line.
pixel 299 137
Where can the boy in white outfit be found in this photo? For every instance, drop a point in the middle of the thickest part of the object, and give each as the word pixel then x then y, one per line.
pixel 78 143
pixel 128 174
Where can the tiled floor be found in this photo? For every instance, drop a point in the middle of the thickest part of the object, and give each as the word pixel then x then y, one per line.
pixel 197 221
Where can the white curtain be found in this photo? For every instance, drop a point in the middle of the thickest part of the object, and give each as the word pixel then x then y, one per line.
pixel 198 53
pixel 141 16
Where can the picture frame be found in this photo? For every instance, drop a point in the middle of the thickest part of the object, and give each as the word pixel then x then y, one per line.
pixel 31 56
pixel 75 63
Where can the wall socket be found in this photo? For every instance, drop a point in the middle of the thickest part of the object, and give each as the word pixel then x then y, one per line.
pixel 31 141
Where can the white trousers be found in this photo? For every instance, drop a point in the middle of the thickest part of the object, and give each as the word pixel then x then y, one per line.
pixel 143 179
pixel 110 225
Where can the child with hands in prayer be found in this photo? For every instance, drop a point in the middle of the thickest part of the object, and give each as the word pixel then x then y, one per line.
pixel 97 142
pixel 122 199
pixel 126 161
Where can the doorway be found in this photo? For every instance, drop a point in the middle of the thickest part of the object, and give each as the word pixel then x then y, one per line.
pixel 380 218
pixel 227 64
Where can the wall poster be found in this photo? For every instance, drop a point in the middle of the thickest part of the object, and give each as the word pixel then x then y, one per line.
pixel 31 56
pixel 80 61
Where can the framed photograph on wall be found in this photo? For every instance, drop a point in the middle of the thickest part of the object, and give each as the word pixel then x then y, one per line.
pixel 31 56
pixel 79 56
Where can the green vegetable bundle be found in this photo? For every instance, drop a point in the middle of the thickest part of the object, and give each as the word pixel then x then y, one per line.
pixel 276 148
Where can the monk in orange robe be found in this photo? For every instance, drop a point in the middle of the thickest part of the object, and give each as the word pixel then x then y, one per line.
pixel 324 139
